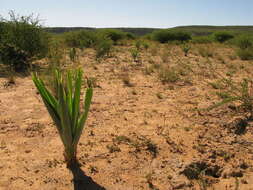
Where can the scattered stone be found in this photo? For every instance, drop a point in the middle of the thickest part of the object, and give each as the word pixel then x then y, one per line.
pixel 28 151
pixel 195 169
pixel 232 172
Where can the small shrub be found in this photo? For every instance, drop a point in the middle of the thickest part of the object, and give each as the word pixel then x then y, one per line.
pixel 186 48
pixel 145 45
pixel 113 34
pixel 73 54
pixel 130 36
pixel 222 36
pixel 168 75
pixel 103 47
pixel 138 44
pixel 135 54
pixel 242 92
pixel 245 54
pixel 244 42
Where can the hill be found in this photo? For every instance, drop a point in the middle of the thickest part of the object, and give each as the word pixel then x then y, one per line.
pixel 197 30
pixel 136 31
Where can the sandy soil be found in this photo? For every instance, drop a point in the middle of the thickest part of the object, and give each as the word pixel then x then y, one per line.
pixel 140 134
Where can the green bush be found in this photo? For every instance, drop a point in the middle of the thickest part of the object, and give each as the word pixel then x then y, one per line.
pixel 22 38
pixel 80 39
pixel 135 54
pixel 245 54
pixel 112 34
pixel 130 36
pixel 16 58
pixel 244 42
pixel 103 47
pixel 145 45
pixel 223 36
pixel 164 36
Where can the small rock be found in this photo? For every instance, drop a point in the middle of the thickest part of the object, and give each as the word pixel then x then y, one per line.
pixel 244 181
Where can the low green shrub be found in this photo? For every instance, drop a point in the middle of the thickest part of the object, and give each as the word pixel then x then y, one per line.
pixel 113 34
pixel 145 45
pixel 244 42
pixel 73 54
pixel 223 36
pixel 245 54
pixel 135 54
pixel 186 48
pixel 103 47
pixel 80 39
pixel 138 44
pixel 130 36
pixel 164 36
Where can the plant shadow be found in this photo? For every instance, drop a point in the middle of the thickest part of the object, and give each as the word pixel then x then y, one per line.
pixel 81 181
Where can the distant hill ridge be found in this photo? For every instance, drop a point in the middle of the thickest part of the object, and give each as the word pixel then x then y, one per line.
pixel 194 29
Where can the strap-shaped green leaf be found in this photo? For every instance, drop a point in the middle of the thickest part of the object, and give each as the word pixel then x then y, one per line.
pixel 76 99
pixel 64 115
pixel 82 120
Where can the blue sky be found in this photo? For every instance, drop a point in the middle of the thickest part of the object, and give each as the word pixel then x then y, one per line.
pixel 134 13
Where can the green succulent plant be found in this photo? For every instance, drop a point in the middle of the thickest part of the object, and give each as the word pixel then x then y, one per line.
pixel 64 108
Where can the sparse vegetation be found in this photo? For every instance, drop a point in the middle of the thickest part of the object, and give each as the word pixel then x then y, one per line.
pixel 151 96
pixel 241 92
